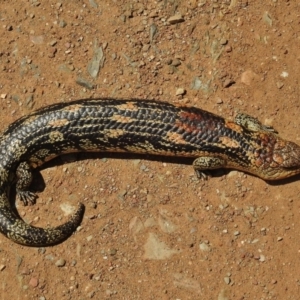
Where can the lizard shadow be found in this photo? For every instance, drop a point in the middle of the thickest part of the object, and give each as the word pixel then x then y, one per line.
pixel 38 184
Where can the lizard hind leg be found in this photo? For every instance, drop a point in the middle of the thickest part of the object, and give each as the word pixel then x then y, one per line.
pixel 205 163
pixel 24 179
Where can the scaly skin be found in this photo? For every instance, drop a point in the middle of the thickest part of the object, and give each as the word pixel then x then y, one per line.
pixel 135 126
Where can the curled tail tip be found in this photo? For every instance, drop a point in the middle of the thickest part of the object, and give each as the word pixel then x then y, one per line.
pixel 62 232
pixel 56 235
pixel 28 235
pixel 78 215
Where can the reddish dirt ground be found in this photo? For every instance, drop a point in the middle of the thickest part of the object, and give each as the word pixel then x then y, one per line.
pixel 151 230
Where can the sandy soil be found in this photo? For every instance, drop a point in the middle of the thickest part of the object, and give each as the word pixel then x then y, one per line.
pixel 151 230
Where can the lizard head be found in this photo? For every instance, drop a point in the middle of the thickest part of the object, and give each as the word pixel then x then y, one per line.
pixel 282 162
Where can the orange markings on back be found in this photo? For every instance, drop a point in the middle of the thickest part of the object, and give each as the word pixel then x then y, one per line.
pixel 127 105
pixel 184 125
pixel 233 126
pixel 176 138
pixel 73 108
pixel 122 119
pixel 228 142
pixel 114 133
pixel 191 116
pixel 30 119
pixel 58 123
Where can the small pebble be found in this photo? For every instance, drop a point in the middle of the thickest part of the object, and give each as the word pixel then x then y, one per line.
pixel 223 42
pixel 85 83
pixel 89 238
pixel 93 4
pixel 2 267
pixel 53 43
pixel 144 168
pixel 227 280
pixel 153 31
pixel 52 52
pixel 60 263
pixel 34 282
pixel 262 258
pixel 49 257
pixel 228 48
pixel 176 19
pixel 113 251
pixel 204 247
pixel 273 281
pixel 248 77
pixel 169 61
pixel 176 62
pixel 91 294
pixel 279 84
pixel 62 23
pixel 73 263
pixel 227 83
pixel 180 91
pixel 25 271
pixel 41 250
pixel 145 47
pixel 39 39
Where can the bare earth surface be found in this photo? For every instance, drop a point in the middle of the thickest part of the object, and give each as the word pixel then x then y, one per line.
pixel 151 229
